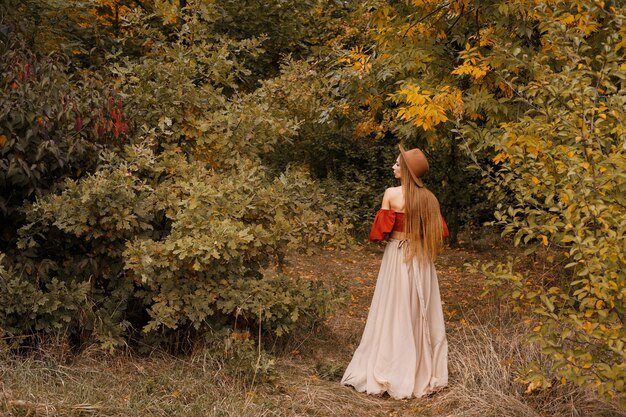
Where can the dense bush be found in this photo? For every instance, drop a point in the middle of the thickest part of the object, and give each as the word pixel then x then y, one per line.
pixel 186 244
pixel 179 230
pixel 300 30
pixel 354 169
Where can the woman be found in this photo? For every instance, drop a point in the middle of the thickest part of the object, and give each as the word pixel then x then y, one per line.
pixel 404 350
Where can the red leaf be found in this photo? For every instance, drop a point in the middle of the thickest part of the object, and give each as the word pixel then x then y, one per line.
pixel 119 128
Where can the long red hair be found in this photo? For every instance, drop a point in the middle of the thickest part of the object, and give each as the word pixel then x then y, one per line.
pixel 422 225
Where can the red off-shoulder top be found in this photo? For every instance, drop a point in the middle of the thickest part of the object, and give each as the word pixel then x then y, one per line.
pixel 388 221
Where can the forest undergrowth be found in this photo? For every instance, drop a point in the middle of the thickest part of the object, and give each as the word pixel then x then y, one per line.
pixel 301 378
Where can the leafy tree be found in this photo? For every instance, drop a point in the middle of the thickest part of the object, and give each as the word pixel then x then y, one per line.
pixel 532 94
pixel 563 162
pixel 325 140
pixel 297 29
pixel 402 81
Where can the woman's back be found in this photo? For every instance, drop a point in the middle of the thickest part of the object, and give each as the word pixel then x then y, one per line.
pixel 393 199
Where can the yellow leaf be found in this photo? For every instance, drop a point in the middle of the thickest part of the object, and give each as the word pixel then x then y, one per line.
pixel 474 116
pixel 485 37
pixel 506 89
pixel 420 3
pixel 535 180
pixel 567 19
pixel 473 64
pixel 501 157
pixel 424 109
pixel 535 385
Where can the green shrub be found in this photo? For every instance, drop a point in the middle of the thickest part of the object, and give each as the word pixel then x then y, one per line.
pixel 50 306
pixel 177 233
pixel 193 243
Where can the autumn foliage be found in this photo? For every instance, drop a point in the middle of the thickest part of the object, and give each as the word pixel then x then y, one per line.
pixel 159 159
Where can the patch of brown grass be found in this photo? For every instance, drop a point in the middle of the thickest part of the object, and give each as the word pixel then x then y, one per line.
pixel 486 355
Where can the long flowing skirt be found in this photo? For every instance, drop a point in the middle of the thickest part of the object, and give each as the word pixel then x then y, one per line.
pixel 403 350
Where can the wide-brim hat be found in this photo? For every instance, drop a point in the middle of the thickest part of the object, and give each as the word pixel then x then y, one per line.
pixel 416 163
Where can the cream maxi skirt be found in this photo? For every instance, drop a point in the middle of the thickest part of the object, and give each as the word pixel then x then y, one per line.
pixel 403 350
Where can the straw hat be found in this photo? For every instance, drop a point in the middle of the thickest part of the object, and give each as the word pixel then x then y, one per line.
pixel 416 162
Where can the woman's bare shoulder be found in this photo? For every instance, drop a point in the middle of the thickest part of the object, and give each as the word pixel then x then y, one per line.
pixel 392 191
pixel 393 199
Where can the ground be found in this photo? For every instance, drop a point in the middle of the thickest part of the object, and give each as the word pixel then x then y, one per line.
pixel 357 270
pixel 486 351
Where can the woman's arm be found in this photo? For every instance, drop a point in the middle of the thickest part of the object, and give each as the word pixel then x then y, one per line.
pixel 386 204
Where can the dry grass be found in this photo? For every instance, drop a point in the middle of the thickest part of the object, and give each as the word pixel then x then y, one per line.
pixel 485 352
pixel 196 385
pixel 485 357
